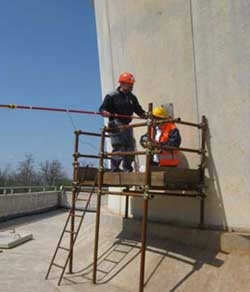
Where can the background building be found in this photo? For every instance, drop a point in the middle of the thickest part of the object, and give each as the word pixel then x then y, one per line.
pixel 195 54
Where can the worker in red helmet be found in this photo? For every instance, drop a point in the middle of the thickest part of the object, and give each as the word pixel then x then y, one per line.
pixel 123 102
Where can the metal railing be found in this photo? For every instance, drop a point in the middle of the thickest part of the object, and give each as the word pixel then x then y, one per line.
pixel 26 189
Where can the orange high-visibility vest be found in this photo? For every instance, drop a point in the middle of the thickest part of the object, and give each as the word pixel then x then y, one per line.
pixel 166 158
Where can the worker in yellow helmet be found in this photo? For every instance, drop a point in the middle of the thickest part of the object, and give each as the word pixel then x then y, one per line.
pixel 160 112
pixel 165 134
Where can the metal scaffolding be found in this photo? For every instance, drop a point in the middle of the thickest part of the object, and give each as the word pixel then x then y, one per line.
pixel 147 187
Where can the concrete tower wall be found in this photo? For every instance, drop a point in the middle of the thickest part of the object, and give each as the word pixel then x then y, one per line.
pixel 196 54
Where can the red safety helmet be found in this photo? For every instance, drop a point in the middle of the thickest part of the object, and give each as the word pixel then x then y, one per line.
pixel 126 77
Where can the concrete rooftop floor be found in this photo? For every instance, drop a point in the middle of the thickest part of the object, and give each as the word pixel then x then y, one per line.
pixel 170 266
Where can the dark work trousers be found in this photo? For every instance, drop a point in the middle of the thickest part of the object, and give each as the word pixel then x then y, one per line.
pixel 122 140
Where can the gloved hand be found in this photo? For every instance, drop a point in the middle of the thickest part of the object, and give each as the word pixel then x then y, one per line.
pixel 144 115
pixel 143 141
pixel 105 114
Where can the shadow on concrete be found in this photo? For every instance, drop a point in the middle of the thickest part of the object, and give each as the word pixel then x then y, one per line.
pixel 180 252
pixel 183 160
pixel 196 258
pixel 110 263
pixel 245 236
pixel 214 207
pixel 127 247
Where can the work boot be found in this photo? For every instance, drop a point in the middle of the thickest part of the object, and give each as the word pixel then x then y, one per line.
pixel 115 163
pixel 128 169
pixel 116 170
pixel 126 164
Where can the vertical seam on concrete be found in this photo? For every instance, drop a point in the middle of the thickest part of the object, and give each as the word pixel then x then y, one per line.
pixel 98 47
pixel 110 42
pixel 194 63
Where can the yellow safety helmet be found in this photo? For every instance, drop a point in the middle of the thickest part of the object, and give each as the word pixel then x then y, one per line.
pixel 160 112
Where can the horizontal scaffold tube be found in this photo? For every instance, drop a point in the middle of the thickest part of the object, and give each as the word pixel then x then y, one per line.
pixel 141 194
pixel 126 127
pixel 176 121
pixel 167 148
pixel 120 153
pixel 181 193
pixel 158 150
pixel 134 194
pixel 88 156
pixel 79 132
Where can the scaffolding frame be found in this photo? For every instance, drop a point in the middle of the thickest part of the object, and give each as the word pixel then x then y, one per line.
pixel 146 192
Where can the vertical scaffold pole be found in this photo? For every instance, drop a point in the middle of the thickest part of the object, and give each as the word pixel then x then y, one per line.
pixel 98 207
pixel 74 194
pixel 126 205
pixel 147 184
pixel 202 168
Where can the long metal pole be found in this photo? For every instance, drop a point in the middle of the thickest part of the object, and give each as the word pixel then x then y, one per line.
pixel 98 208
pixel 74 194
pixel 145 204
pixel 53 109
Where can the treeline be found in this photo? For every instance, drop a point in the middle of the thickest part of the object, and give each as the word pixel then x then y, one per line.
pixel 46 173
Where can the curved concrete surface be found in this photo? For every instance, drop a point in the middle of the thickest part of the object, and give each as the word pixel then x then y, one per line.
pixel 196 54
